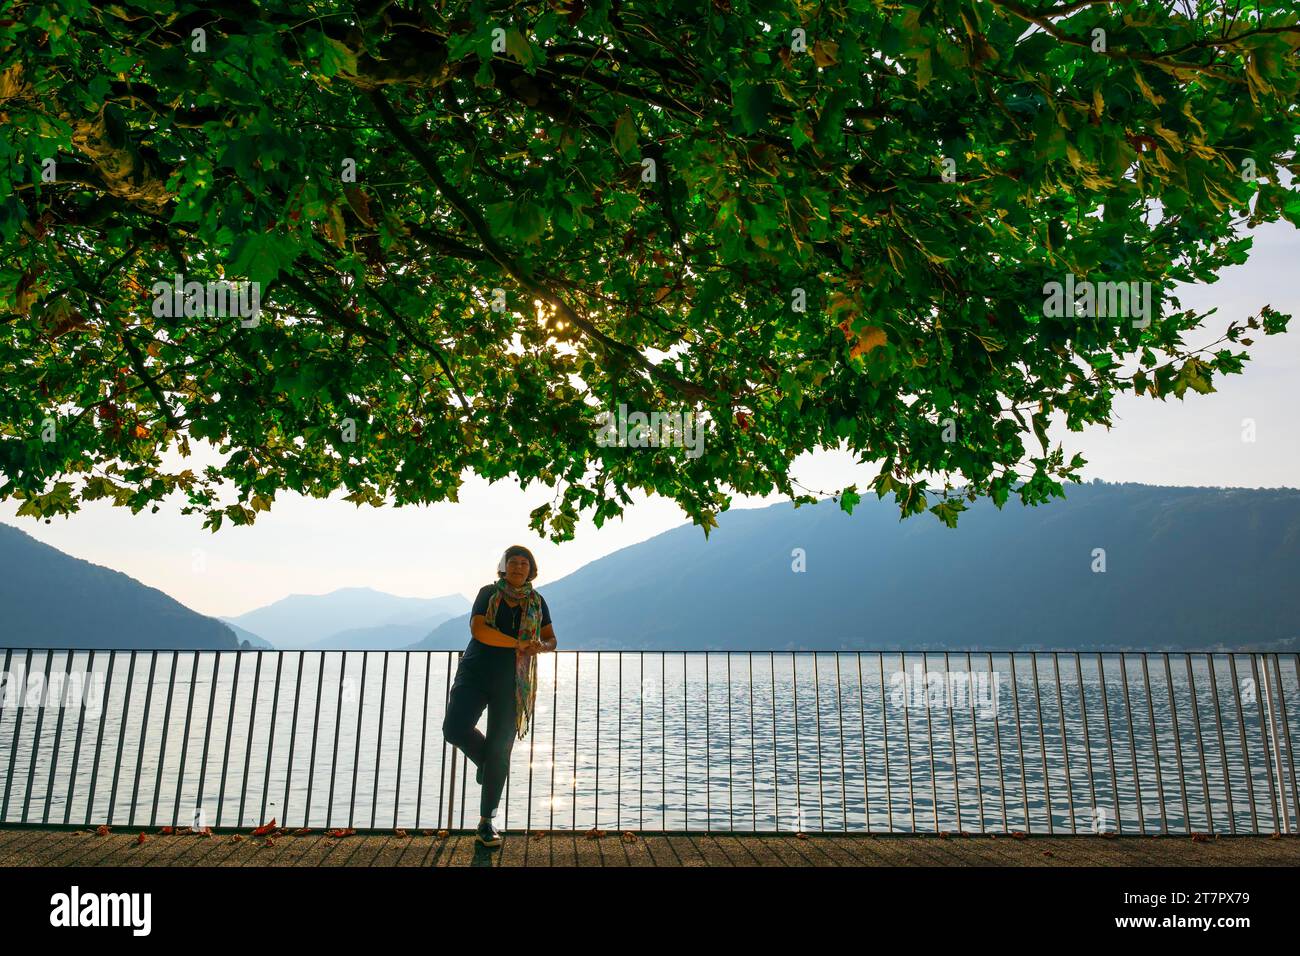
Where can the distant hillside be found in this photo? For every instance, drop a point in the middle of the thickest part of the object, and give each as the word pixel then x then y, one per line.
pixel 382 638
pixel 51 599
pixel 254 641
pixel 1185 568
pixel 316 621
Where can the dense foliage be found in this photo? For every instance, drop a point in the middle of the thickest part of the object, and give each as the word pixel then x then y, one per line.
pixel 475 227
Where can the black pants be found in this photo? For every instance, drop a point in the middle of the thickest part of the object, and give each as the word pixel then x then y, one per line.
pixel 485 677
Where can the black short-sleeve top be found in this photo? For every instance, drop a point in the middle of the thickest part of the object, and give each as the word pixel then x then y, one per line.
pixel 507 622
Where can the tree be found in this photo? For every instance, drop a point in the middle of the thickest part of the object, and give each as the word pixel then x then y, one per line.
pixel 471 232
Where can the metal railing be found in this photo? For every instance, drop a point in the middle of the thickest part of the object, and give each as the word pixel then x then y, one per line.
pixel 757 741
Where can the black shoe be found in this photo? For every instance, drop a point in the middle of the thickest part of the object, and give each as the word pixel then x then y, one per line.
pixel 488 835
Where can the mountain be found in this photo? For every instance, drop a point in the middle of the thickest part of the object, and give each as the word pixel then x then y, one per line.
pixel 384 637
pixel 51 599
pixel 314 621
pixel 1184 568
pixel 255 642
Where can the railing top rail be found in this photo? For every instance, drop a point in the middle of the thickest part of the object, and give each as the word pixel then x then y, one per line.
pixel 652 650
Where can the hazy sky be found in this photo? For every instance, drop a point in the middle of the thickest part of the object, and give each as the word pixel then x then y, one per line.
pixel 311 546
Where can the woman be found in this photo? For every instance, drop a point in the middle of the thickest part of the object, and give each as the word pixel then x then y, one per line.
pixel 510 624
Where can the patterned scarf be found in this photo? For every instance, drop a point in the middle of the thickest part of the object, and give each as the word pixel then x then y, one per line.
pixel 530 626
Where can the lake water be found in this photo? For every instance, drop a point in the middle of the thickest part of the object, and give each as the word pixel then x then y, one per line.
pixel 631 740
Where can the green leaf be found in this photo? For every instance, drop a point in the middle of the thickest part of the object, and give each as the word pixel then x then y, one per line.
pixel 752 102
pixel 625 135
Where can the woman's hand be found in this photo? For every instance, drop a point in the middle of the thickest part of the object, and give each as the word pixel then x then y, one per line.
pixel 531 647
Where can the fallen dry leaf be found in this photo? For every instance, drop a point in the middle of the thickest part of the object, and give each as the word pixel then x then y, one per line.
pixel 102 829
pixel 265 828
pixel 141 838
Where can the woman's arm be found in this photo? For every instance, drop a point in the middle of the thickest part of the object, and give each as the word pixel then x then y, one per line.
pixel 487 634
pixel 548 637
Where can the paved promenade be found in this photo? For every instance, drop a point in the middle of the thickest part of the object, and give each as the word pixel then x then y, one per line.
pixel 59 847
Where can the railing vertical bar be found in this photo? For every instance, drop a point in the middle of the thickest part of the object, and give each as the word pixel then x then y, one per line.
pixel 555 718
pixel 162 748
pixel 1178 743
pixel 907 737
pixel 185 742
pixel 862 727
pixel 640 741
pixel 356 752
pixel 1042 743
pixel 1200 741
pixel 839 711
pixel 1277 752
pixel 731 789
pixel 76 750
pixel 952 733
pixel 18 722
pixel 270 742
pixel 997 740
pixel 884 737
pixel 753 746
pixel 1110 740
pixel 1087 734
pixel 776 776
pixel 1261 703
pixel 618 805
pixel 99 736
pixel 58 735
pixel 596 821
pixel 1065 744
pixel 401 735
pixel 975 734
pixel 708 756
pixel 1020 740
pixel 817 714
pixel 334 753
pixel 379 738
pixel 424 737
pixel 248 749
pixel 532 750
pixel 1155 743
pixel 798 760
pixel 207 730
pixel 293 740
pixel 315 736
pixel 1223 748
pixel 929 736
pixel 1286 728
pixel 577 693
pixel 445 789
pixel 663 741
pixel 144 733
pixel 36 739
pixel 230 728
pixel 1132 745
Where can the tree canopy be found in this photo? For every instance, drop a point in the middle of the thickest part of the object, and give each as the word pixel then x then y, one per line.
pixel 475 228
